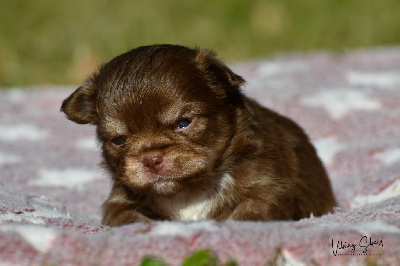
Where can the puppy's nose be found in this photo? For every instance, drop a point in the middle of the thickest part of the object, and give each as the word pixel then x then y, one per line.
pixel 153 161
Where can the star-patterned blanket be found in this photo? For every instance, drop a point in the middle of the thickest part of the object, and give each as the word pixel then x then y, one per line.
pixel 52 187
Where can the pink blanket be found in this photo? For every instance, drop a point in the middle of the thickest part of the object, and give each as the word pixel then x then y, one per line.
pixel 52 187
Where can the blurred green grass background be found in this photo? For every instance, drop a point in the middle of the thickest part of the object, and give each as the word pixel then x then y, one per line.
pixel 61 42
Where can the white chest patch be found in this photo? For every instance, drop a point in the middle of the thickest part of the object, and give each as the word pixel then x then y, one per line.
pixel 188 207
pixel 195 210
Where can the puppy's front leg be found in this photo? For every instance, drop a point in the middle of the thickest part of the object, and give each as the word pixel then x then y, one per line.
pixel 119 210
pixel 257 210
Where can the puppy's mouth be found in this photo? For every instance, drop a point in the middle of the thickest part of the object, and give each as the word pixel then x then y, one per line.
pixel 158 179
pixel 163 185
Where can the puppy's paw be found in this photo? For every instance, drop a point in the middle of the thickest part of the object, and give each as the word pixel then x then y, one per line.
pixel 124 217
pixel 253 210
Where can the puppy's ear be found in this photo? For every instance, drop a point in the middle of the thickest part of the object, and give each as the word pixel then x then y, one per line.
pixel 225 83
pixel 80 106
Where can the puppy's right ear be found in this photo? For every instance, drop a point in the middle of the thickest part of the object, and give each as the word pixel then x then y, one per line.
pixel 80 106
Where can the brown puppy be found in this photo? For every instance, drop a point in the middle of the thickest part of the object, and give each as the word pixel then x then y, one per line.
pixel 182 142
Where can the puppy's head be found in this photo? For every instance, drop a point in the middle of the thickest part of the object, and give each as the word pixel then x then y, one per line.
pixel 165 116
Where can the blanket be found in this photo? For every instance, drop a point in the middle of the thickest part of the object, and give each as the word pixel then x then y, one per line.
pixel 52 185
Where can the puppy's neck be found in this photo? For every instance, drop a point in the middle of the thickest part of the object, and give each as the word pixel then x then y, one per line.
pixel 194 206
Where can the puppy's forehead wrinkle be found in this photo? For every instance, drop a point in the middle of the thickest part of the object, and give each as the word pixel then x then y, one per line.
pixel 115 126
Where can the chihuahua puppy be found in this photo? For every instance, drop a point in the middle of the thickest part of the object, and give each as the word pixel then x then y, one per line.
pixel 182 142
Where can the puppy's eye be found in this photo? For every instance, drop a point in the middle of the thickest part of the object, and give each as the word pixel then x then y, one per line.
pixel 119 141
pixel 183 123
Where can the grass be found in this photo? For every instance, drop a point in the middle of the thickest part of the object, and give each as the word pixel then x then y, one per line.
pixel 206 257
pixel 60 42
pixel 199 258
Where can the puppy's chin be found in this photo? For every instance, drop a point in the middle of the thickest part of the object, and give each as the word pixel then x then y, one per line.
pixel 164 186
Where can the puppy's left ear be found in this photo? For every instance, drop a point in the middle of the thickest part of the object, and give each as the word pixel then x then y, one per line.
pixel 80 106
pixel 225 83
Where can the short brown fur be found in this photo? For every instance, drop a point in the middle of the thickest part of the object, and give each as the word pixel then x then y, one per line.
pixel 182 142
